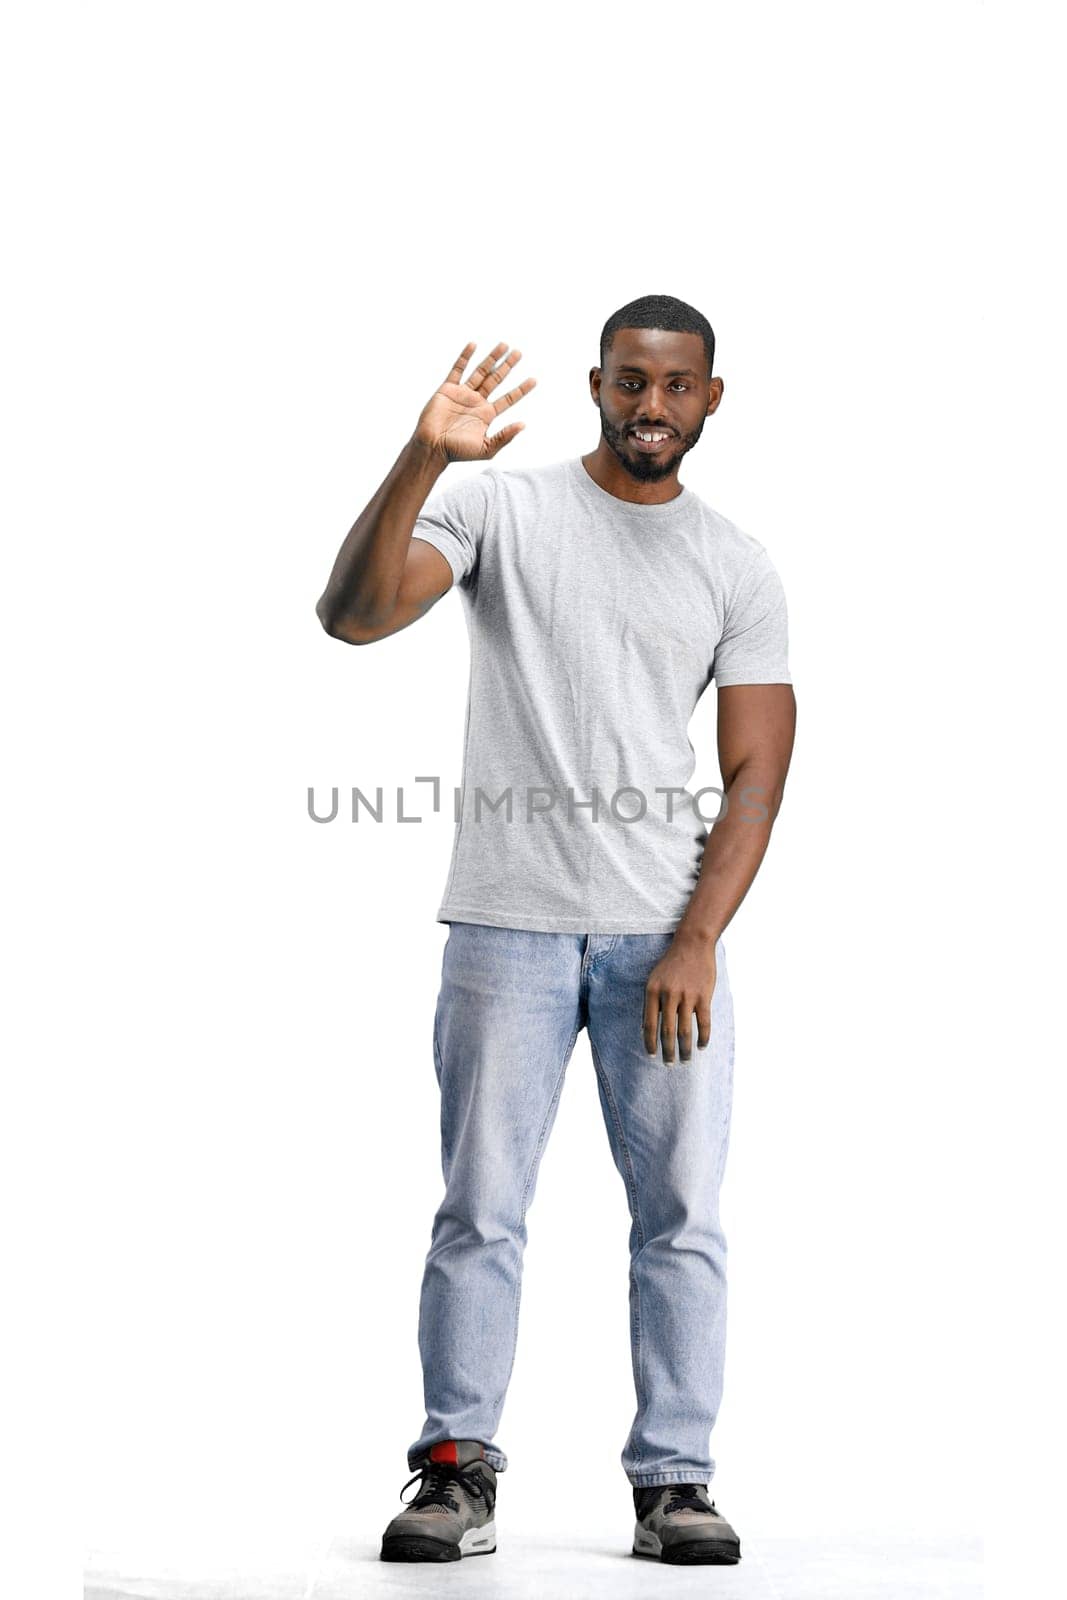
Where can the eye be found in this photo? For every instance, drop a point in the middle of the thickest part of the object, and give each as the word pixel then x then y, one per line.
pixel 635 383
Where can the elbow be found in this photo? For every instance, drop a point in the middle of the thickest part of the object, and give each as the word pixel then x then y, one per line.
pixel 333 624
pixel 326 616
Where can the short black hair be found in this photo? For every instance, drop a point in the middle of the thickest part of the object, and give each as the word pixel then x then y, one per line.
pixel 659 311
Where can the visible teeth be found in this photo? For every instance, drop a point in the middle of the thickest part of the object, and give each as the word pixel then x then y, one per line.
pixel 651 438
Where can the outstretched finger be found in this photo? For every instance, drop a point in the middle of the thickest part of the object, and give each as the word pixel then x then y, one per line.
pixel 513 395
pixel 483 369
pixel 455 372
pixel 505 436
pixel 499 373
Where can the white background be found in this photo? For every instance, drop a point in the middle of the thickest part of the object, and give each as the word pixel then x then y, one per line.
pixel 248 243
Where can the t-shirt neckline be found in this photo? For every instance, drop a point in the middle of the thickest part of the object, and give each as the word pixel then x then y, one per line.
pixel 605 498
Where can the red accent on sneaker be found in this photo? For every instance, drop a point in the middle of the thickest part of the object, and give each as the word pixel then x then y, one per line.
pixel 446 1451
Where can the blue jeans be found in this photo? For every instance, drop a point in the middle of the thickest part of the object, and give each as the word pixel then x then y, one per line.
pixel 508 1014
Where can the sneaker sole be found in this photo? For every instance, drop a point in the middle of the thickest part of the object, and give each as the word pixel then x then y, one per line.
pixel 417 1547
pixel 705 1552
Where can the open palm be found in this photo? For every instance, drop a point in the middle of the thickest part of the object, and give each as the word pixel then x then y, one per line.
pixel 455 420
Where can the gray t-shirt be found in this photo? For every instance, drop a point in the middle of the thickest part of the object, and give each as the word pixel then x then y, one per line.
pixel 595 626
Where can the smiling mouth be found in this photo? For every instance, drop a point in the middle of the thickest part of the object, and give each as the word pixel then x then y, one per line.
pixel 649 440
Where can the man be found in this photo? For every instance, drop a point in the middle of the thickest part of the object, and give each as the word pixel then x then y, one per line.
pixel 584 890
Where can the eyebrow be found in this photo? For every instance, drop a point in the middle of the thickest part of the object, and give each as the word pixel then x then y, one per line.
pixel 680 372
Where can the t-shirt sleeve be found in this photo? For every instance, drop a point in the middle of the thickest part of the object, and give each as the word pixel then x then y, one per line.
pixel 454 520
pixel 754 647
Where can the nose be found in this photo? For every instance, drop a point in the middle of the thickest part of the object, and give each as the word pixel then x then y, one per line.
pixel 654 410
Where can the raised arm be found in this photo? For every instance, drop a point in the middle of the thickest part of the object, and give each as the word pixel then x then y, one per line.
pixel 382 579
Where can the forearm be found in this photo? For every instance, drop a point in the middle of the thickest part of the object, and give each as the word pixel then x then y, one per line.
pixel 366 575
pixel 734 850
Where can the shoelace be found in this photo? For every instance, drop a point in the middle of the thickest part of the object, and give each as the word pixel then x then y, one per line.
pixel 685 1498
pixel 441 1480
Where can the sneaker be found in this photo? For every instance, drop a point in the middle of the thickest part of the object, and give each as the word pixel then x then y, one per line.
pixel 452 1514
pixel 677 1522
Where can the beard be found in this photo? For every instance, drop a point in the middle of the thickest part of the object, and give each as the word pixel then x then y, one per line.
pixel 647 469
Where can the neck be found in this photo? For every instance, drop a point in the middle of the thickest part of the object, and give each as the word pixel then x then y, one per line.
pixel 604 467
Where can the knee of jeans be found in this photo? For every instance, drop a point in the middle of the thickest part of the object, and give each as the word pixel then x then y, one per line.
pixel 480 1212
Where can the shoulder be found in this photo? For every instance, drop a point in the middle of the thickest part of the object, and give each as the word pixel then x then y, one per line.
pixel 468 488
pixel 734 548
pixel 740 566
pixel 478 489
pixel 528 483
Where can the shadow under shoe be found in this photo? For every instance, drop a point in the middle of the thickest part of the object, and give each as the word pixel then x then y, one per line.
pixel 452 1515
pixel 677 1522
